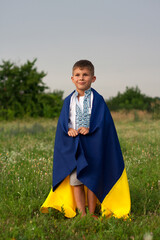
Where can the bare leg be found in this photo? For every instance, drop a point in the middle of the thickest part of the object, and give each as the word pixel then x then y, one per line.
pixel 92 200
pixel 79 195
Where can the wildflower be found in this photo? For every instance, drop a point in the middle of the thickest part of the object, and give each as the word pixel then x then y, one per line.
pixel 148 236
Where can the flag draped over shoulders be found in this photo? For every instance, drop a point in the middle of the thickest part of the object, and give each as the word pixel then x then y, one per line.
pixel 98 159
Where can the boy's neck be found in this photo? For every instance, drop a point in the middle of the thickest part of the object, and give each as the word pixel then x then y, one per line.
pixel 80 93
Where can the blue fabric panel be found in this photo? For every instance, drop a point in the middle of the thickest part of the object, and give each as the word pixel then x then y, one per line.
pixel 97 155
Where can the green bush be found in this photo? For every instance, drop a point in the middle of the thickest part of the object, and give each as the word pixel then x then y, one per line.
pixel 51 104
pixel 132 98
pixel 7 114
pixel 17 109
pixel 155 107
pixel 22 93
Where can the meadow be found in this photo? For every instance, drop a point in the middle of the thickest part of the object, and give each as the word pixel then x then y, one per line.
pixel 26 158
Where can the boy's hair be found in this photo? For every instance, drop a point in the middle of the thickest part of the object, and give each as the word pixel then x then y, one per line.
pixel 84 64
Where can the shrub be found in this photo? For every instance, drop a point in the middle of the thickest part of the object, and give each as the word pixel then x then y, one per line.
pixel 22 93
pixel 130 99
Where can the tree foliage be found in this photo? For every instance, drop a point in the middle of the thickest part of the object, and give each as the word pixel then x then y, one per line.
pixel 22 92
pixel 132 98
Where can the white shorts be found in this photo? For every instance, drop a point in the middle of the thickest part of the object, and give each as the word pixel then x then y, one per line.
pixel 73 179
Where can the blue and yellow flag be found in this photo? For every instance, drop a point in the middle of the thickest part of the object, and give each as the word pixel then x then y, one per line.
pixel 98 159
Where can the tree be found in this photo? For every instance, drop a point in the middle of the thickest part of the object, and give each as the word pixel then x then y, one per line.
pixel 132 98
pixel 20 87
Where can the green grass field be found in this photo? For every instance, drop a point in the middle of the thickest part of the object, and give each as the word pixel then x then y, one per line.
pixel 26 150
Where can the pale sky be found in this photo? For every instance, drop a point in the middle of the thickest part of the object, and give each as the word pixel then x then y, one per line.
pixel 120 37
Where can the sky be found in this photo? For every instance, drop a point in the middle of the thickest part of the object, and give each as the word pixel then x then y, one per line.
pixel 120 37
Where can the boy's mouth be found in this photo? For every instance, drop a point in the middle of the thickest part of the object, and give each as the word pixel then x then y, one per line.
pixel 81 83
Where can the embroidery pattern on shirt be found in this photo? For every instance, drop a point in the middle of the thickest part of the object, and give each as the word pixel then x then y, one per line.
pixel 83 117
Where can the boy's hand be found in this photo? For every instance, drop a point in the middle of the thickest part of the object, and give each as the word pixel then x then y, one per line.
pixel 72 132
pixel 83 130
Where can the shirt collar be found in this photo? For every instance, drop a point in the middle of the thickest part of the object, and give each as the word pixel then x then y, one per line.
pixel 86 93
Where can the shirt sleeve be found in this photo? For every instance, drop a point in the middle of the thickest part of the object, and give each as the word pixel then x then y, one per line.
pixel 71 123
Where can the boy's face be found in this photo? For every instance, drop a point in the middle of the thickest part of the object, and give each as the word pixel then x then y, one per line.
pixel 82 78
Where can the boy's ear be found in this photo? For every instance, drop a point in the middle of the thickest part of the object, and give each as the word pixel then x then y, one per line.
pixel 72 78
pixel 93 79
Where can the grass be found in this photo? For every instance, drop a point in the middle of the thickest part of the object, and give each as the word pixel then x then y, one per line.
pixel 26 150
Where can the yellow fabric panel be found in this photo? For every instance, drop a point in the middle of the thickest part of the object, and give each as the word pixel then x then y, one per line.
pixel 117 201
pixel 62 197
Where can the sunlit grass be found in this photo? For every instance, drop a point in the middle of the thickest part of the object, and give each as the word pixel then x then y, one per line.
pixel 26 157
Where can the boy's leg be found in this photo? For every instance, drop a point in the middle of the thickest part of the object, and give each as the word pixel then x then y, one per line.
pixel 92 200
pixel 79 195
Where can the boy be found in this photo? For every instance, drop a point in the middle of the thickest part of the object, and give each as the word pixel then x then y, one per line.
pixel 87 155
